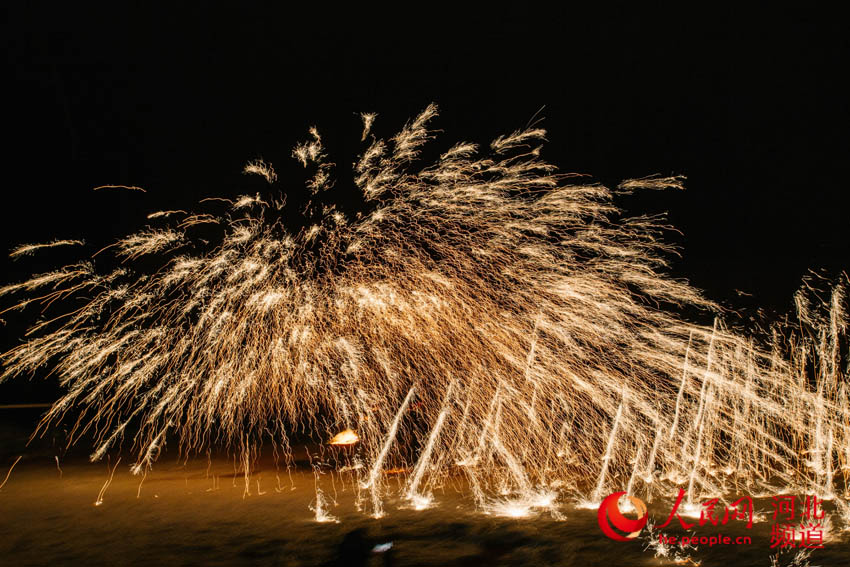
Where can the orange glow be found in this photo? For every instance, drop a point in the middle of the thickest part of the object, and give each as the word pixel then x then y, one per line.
pixel 396 470
pixel 347 437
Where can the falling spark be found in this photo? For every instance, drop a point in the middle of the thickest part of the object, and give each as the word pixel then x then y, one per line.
pixel 368 120
pixel 373 482
pixel 99 500
pixel 141 482
pixel 420 500
pixel 128 187
pixel 26 249
pixel 261 168
pixel 8 474
pixel 164 214
pixel 320 507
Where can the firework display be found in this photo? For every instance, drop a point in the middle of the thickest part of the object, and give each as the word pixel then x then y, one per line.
pixel 483 316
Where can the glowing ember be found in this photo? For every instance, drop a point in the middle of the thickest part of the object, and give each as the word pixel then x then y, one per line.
pixel 347 437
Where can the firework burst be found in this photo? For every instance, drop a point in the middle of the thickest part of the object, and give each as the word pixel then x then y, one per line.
pixel 482 315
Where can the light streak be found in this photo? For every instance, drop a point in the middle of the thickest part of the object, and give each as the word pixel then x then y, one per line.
pixel 8 474
pixel 106 484
pixel 127 187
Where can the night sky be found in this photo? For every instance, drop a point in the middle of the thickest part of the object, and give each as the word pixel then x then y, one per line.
pixel 752 109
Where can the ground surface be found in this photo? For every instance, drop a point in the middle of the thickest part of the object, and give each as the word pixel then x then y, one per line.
pixel 197 513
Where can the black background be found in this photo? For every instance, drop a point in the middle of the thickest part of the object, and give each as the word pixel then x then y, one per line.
pixel 751 108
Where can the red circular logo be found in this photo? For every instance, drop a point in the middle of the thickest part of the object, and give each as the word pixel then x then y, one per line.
pixel 610 515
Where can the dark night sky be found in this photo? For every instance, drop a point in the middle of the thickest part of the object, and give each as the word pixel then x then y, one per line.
pixel 753 110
